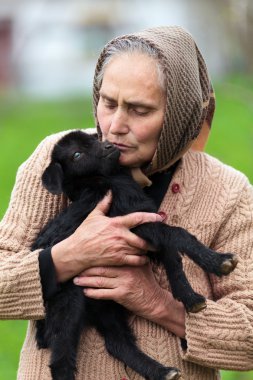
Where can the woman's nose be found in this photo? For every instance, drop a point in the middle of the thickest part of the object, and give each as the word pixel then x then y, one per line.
pixel 119 122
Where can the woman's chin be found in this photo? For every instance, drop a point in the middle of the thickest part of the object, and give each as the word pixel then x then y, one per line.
pixel 127 161
pixel 124 160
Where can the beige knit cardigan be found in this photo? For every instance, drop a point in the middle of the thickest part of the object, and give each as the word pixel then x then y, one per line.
pixel 214 202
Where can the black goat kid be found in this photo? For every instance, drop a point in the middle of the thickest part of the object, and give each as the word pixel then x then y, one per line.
pixel 85 169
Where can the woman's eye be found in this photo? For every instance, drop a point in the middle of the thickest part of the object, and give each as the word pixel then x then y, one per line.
pixel 141 113
pixel 76 155
pixel 110 106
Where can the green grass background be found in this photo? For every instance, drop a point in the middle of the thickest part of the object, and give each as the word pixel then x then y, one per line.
pixel 24 123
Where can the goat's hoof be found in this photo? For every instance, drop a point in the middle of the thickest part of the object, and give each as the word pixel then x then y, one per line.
pixel 174 374
pixel 197 307
pixel 229 265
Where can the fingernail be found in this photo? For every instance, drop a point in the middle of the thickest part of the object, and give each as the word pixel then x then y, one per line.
pixel 163 215
pixel 76 280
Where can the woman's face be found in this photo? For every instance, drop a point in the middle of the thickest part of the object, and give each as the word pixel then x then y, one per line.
pixel 131 107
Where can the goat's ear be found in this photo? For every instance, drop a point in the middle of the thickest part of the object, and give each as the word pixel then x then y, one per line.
pixel 52 178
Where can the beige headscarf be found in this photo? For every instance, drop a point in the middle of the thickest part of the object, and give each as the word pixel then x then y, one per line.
pixel 190 98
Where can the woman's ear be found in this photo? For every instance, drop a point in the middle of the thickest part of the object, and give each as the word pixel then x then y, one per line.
pixel 52 178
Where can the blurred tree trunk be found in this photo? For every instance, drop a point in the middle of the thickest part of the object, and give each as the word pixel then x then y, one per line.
pixel 5 54
pixel 238 16
pixel 244 25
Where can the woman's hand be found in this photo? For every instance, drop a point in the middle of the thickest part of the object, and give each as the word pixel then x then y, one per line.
pixel 136 289
pixel 100 241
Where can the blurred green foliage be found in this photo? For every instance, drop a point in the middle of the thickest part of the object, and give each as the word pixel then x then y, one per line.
pixel 23 124
pixel 231 139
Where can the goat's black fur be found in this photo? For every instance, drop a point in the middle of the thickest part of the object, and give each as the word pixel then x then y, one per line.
pixel 85 169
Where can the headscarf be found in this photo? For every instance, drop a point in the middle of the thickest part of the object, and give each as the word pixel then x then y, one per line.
pixel 190 97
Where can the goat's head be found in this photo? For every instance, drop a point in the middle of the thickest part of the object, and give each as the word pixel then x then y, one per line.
pixel 77 156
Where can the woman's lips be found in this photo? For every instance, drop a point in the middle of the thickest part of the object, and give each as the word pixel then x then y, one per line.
pixel 122 147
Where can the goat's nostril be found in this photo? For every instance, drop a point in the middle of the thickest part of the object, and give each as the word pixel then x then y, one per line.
pixel 108 146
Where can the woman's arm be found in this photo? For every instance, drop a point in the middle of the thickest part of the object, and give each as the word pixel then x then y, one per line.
pixel 100 239
pixel 221 336
pixel 31 206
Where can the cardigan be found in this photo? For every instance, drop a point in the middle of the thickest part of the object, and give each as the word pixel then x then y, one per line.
pixel 212 201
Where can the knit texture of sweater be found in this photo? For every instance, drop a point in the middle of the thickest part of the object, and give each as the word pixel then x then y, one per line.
pixel 212 201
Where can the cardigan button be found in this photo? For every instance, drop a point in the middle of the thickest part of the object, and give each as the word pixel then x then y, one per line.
pixel 175 188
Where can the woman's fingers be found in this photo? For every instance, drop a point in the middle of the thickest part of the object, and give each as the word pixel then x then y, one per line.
pixel 133 287
pixel 97 293
pixel 103 206
pixel 97 282
pixel 137 218
pixel 141 245
pixel 137 289
pixel 135 242
pixel 100 271
pixel 135 260
pixel 127 221
pixel 101 240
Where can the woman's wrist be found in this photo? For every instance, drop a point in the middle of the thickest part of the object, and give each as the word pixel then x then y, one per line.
pixel 169 313
pixel 65 262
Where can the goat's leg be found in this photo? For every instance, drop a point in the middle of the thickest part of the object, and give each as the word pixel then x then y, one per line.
pixel 65 322
pixel 178 239
pixel 121 344
pixel 171 241
pixel 209 260
pixel 168 255
pixel 180 286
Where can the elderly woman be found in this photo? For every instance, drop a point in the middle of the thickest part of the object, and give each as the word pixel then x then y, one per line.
pixel 152 99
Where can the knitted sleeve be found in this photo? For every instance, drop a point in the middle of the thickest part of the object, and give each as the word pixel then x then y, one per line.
pixel 222 335
pixel 31 206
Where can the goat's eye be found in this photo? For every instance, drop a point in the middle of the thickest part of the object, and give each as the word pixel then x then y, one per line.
pixel 76 155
